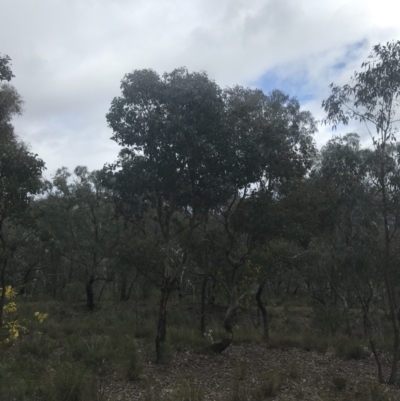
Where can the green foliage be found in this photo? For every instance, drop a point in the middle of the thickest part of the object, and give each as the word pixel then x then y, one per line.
pixel 5 70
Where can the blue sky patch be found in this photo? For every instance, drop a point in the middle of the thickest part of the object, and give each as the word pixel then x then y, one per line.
pixel 295 85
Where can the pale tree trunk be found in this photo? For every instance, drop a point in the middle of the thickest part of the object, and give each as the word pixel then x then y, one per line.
pixel 228 323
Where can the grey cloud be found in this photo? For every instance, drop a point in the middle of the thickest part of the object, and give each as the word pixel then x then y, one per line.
pixel 70 55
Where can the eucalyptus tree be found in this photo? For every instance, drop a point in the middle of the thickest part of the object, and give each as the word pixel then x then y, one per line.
pixel 20 172
pixel 80 220
pixel 172 160
pixel 272 144
pixel 5 68
pixel 349 236
pixel 372 98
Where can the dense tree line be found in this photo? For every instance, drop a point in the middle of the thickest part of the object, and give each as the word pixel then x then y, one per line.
pixel 216 193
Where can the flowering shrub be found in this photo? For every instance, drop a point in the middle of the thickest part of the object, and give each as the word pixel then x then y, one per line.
pixel 12 327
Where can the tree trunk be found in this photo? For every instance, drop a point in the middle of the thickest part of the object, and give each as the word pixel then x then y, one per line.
pixel 203 306
pixel 211 299
pixel 367 331
pixel 124 285
pixel 162 320
pixel 388 277
pixel 396 332
pixel 263 310
pixel 89 291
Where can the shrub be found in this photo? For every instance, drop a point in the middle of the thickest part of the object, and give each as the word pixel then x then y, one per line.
pixel 126 358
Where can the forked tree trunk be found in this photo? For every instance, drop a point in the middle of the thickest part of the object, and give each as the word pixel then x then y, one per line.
pixel 263 310
pixel 228 324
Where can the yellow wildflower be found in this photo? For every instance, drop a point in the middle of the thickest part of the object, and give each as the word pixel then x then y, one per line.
pixel 41 316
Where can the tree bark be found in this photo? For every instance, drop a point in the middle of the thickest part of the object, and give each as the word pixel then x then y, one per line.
pixel 124 285
pixel 263 310
pixel 203 306
pixel 387 273
pixel 162 320
pixel 89 291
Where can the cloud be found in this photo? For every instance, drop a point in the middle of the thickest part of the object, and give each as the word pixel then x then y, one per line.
pixel 69 56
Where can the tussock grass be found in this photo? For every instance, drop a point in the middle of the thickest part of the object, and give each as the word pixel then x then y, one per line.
pixel 71 382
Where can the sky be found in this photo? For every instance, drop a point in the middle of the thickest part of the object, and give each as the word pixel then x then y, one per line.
pixel 69 57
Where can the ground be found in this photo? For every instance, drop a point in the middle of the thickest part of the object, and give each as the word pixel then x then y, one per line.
pixel 306 375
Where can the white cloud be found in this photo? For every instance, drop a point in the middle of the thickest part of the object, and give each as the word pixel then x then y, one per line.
pixel 69 56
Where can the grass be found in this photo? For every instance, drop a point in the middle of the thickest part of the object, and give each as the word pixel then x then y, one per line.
pixel 306 341
pixel 182 338
pixel 74 351
pixel 71 382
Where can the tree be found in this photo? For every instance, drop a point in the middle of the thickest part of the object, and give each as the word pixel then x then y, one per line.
pixel 372 98
pixel 5 70
pixel 272 146
pixel 173 161
pixel 79 216
pixel 20 172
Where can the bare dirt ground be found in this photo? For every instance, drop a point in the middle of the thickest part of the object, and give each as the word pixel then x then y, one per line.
pixel 308 375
